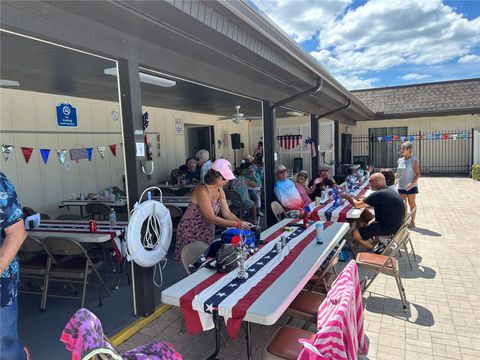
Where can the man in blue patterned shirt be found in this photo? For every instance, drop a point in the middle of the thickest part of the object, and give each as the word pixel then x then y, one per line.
pixel 12 235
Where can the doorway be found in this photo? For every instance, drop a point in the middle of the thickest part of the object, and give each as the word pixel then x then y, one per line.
pixel 198 138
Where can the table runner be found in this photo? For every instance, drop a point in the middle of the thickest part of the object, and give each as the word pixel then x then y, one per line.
pixel 330 212
pixel 232 297
pixel 116 232
pixel 339 321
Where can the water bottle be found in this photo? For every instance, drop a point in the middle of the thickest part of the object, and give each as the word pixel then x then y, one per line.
pixel 319 233
pixel 113 218
pixel 336 198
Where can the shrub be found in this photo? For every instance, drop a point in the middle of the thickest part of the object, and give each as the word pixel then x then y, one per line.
pixel 476 172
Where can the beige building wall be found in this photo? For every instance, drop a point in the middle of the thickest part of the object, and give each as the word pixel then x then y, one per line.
pixel 29 119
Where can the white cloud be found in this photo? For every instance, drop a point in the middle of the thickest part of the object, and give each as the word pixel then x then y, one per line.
pixel 414 76
pixel 354 82
pixel 302 19
pixel 379 35
pixel 467 59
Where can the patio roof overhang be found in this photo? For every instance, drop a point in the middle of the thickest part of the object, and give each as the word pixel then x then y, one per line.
pixel 226 45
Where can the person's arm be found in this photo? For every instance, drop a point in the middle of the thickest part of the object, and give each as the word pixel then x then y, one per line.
pixel 15 235
pixel 416 169
pixel 202 199
pixel 359 204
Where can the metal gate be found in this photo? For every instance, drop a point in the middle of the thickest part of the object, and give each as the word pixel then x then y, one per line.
pixel 439 152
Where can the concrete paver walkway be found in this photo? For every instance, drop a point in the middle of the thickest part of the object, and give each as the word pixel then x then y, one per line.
pixel 443 290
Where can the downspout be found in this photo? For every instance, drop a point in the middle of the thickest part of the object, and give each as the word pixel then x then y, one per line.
pixel 269 141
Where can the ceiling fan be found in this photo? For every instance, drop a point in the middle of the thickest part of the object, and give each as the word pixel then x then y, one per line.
pixel 237 117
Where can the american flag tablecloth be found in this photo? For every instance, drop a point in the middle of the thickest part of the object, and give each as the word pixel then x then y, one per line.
pixel 231 297
pixel 330 212
pixel 339 321
pixel 76 227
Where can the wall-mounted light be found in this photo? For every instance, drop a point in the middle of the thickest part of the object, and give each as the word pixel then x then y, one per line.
pixel 295 113
pixel 4 82
pixel 145 78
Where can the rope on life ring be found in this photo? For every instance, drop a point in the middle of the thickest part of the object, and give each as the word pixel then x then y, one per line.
pixel 153 247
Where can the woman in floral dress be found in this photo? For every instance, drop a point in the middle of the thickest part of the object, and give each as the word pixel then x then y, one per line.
pixel 206 204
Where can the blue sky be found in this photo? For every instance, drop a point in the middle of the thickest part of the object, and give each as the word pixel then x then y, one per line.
pixel 377 43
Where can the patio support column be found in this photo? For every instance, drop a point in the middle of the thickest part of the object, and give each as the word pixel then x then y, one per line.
pixel 336 139
pixel 268 158
pixel 136 181
pixel 314 137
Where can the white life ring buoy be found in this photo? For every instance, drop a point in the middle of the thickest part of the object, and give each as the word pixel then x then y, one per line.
pixel 152 248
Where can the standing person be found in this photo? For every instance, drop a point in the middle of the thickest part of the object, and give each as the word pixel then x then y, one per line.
pixel 389 211
pixel 12 236
pixel 203 158
pixel 302 187
pixel 240 186
pixel 206 203
pixel 258 153
pixel 319 183
pixel 408 173
pixel 254 183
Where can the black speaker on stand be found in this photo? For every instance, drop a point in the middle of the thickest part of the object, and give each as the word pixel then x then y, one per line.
pixel 235 137
pixel 346 148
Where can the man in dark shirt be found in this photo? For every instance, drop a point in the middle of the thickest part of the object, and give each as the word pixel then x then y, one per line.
pixel 389 212
pixel 319 183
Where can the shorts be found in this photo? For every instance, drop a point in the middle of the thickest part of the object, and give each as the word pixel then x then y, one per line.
pixel 413 190
pixel 374 229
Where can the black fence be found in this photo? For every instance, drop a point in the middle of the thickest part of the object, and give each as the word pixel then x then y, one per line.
pixel 438 152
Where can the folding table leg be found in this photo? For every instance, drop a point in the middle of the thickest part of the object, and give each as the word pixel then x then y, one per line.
pixel 248 337
pixel 217 336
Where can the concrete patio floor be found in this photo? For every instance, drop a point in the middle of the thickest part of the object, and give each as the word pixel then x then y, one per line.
pixel 443 290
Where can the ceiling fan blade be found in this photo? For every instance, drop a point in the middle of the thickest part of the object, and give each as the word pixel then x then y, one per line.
pixel 252 118
pixel 224 118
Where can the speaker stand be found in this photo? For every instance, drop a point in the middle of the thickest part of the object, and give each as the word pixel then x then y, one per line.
pixel 235 158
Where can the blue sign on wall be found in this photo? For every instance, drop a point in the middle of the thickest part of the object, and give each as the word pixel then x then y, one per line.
pixel 66 115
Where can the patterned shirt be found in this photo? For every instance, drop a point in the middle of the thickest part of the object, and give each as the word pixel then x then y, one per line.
pixel 10 212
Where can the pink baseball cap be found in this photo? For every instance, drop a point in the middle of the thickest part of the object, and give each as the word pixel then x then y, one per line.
pixel 224 168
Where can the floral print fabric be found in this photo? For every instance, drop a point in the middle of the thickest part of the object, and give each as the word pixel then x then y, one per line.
pixel 10 213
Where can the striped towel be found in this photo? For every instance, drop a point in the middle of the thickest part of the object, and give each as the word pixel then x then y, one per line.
pixel 340 321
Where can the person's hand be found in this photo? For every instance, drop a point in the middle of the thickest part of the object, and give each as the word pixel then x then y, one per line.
pixel 245 225
pixel 317 181
pixel 409 186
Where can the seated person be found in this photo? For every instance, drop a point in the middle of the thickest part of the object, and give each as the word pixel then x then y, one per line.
pixel 389 179
pixel 254 183
pixel 319 183
pixel 302 187
pixel 239 185
pixel 191 173
pixel 389 212
pixel 286 192
pixel 203 158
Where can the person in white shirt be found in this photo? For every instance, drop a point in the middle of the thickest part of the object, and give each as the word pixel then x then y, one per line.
pixel 203 158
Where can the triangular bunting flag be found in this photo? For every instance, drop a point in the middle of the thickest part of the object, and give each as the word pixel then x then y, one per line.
pixel 61 155
pixel 437 136
pixel 7 151
pixel 388 138
pixel 429 136
pixel 380 138
pixel 395 137
pixel 89 153
pixel 454 136
pixel 101 151
pixel 45 153
pixel 27 153
pixel 445 136
pixel 411 138
pixel 402 138
pixel 113 147
pixel 464 136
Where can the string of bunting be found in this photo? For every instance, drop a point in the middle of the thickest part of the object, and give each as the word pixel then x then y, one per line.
pixel 429 136
pixel 76 154
pixel 289 142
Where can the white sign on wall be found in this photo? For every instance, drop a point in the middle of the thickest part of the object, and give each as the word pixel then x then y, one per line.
pixel 178 126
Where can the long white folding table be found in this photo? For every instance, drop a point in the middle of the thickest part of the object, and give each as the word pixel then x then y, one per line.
pixel 279 294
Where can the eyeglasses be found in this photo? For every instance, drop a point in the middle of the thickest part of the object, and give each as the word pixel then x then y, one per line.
pixel 281 171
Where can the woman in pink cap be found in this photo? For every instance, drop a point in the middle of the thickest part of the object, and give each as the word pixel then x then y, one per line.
pixel 206 203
